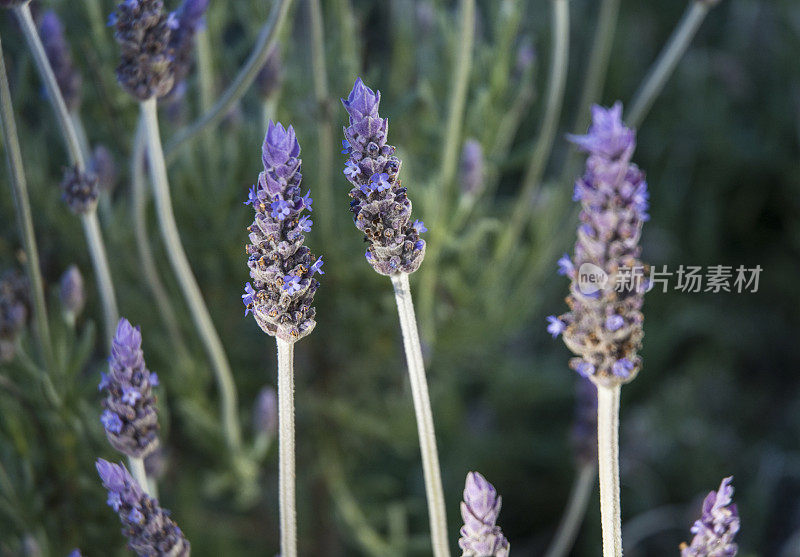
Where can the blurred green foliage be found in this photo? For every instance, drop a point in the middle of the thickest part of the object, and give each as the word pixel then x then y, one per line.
pixel 719 391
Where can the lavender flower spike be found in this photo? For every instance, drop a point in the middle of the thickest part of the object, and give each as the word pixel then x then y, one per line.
pixel 480 536
pixel 148 527
pixel 717 526
pixel 71 291
pixel 381 209
pixel 185 22
pixel 130 416
pixel 55 45
pixel 604 324
pixel 471 173
pixel 281 267
pixel 144 33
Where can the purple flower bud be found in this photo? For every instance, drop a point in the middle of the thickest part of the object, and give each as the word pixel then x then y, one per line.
pixel 149 529
pixel 715 530
pixel 57 50
pixel 13 312
pixel 526 56
pixel 472 168
pixel 75 553
pixel 71 291
pixel 144 34
pixel 79 190
pixel 381 209
pixel 480 535
pixel 613 196
pixel 130 417
pixel 270 77
pixel 102 165
pixel 281 267
pixel 265 412
pixel 555 326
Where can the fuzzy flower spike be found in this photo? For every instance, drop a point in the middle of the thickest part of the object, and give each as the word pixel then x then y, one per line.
pixel 381 209
pixel 148 527
pixel 717 526
pixel 185 22
pixel 604 325
pixel 57 49
pixel 281 267
pixel 480 535
pixel 130 418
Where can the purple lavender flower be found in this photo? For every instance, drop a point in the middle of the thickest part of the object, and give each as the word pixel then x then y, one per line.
pixel 584 428
pixel 148 527
pixel 265 412
pixel 381 209
pixel 471 171
pixel 604 327
pixel 270 77
pixel 71 291
pixel 555 326
pixel 717 526
pixel 55 45
pixel 130 416
pixel 281 267
pixel 75 553
pixel 144 33
pixel 79 190
pixel 102 165
pixel 480 535
pixel 13 312
pixel 185 22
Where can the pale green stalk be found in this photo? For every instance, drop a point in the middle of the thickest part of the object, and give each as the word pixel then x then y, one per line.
pixel 138 472
pixel 437 515
pixel 665 65
pixel 348 32
pixel 22 206
pixel 324 122
pixel 91 228
pixel 286 450
pixel 608 468
pixel 240 84
pixel 186 279
pixel 575 512
pixel 544 144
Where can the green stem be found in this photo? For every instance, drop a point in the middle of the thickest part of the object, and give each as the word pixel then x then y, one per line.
pixel 22 206
pixel 544 144
pixel 575 512
pixel 437 514
pixel 186 279
pixel 608 466
pixel 286 449
pixel 102 273
pixel 325 124
pixel 666 62
pixel 240 84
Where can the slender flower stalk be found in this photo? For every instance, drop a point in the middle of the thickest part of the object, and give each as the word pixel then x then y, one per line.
pixel 146 71
pixel 604 325
pixel 266 41
pixel 382 211
pixel 77 180
pixel 480 535
pixel 282 293
pixel 22 207
pixel 668 59
pixel 717 526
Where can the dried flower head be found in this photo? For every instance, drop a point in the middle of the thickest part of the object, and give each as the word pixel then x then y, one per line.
pixel 144 33
pixel 186 21
pixel 79 190
pixel 381 209
pixel 480 535
pixel 102 165
pixel 130 417
pixel 604 324
pixel 270 77
pixel 149 529
pixel 281 267
pixel 71 291
pixel 55 45
pixel 717 526
pixel 471 171
pixel 13 312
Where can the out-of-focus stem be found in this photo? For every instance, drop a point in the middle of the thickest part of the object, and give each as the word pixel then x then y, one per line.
pixel 666 62
pixel 608 467
pixel 544 144
pixel 437 515
pixel 186 279
pixel 102 272
pixel 324 125
pixel 286 461
pixel 240 84
pixel 146 259
pixel 22 206
pixel 205 69
pixel 575 512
